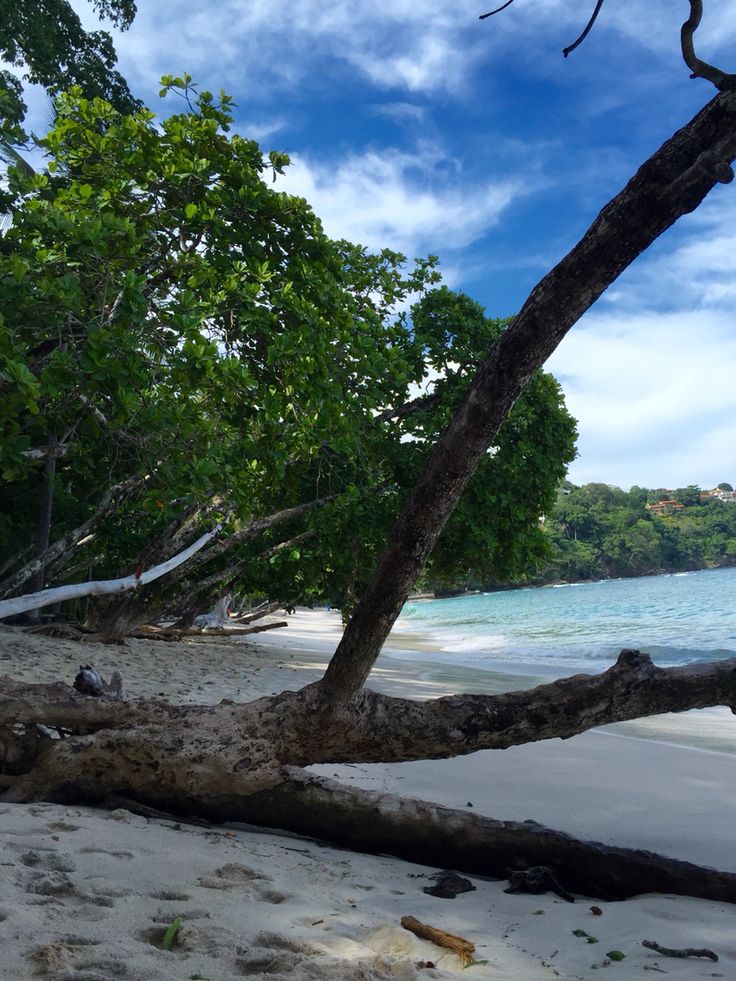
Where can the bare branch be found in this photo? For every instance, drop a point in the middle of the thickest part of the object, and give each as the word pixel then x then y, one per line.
pixel 419 404
pixel 701 69
pixel 586 32
pixel 497 10
pixel 46 597
pixel 73 539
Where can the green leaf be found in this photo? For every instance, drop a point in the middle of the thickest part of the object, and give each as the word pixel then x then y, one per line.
pixel 190 210
pixel 171 932
pixel 615 955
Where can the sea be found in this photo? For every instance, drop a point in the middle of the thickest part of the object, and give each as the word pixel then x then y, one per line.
pixel 561 629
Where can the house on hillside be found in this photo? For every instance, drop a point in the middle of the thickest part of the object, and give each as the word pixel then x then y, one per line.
pixel 670 506
pixel 729 496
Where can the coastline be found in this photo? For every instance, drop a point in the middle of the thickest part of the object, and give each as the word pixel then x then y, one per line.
pixel 86 893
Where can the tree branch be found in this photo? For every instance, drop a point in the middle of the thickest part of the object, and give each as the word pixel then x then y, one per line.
pixel 419 404
pixel 69 543
pixel 46 597
pixel 588 27
pixel 701 69
pixel 385 729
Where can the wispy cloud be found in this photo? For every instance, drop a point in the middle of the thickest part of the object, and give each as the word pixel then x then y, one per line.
pixel 391 199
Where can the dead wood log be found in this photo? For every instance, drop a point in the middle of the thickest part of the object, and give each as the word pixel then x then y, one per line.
pixel 203 633
pixel 458 945
pixel 431 834
pixel 680 951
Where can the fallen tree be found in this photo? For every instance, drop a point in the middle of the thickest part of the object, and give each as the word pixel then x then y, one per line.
pixel 245 762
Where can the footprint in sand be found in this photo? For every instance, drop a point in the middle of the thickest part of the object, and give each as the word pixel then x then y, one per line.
pixel 49 861
pixel 272 954
pixel 231 876
pixel 170 896
pixel 74 958
pixel 63 826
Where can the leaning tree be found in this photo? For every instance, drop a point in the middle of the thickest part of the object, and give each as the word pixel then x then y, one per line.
pixel 246 761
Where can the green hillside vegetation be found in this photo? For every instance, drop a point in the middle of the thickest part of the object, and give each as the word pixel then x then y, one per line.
pixel 602 532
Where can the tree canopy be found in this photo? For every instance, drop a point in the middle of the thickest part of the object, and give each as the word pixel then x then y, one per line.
pixel 46 42
pixel 169 315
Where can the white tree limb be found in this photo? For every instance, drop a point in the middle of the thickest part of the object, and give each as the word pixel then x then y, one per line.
pixel 34 601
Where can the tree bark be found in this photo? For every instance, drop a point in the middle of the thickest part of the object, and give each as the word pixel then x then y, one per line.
pixel 243 763
pixel 441 836
pixel 672 183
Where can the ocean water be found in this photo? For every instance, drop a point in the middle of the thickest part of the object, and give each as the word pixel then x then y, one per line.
pixel 676 619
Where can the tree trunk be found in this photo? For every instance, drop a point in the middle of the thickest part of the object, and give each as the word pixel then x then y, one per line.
pixel 672 183
pixel 43 530
pixel 441 836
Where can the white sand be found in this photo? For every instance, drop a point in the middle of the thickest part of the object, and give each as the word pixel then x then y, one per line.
pixel 87 894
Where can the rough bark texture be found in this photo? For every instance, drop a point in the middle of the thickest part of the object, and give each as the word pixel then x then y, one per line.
pixel 435 835
pixel 673 182
pixel 242 763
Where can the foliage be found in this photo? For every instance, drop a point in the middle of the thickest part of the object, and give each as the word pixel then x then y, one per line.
pixel 494 533
pixel 166 311
pixel 46 40
pixel 598 531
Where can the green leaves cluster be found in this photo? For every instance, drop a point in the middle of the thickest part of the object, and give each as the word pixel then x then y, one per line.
pixel 45 40
pixel 167 311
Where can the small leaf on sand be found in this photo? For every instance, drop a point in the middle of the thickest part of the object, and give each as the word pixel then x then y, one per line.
pixel 474 964
pixel 171 932
pixel 615 955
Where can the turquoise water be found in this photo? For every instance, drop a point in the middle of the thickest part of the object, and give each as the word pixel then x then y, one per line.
pixel 676 619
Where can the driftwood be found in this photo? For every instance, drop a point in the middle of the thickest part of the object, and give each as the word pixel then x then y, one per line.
pixel 680 951
pixel 458 945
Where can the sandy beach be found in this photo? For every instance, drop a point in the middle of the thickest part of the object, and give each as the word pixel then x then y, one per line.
pixel 87 894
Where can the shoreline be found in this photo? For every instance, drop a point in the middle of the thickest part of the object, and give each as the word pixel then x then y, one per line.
pixel 553 583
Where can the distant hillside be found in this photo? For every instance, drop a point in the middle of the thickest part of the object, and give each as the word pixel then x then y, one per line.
pixel 602 532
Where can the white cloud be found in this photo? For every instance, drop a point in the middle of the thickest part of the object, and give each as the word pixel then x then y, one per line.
pixel 400 201
pixel 654 395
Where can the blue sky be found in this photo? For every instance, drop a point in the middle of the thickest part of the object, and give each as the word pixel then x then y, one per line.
pixel 413 125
